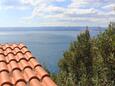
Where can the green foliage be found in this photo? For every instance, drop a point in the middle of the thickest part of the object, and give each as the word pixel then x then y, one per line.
pixel 88 61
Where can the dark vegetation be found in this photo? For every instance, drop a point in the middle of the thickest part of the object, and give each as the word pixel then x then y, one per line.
pixel 88 61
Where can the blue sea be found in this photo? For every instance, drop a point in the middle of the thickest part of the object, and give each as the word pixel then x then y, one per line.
pixel 46 43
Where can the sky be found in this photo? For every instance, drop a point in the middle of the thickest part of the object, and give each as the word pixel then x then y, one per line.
pixel 35 13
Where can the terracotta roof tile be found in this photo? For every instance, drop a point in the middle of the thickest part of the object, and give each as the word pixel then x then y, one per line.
pixel 19 68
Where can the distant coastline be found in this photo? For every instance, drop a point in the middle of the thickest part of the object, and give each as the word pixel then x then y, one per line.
pixel 50 28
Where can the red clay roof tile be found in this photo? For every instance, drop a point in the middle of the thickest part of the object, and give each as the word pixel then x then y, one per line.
pixel 40 72
pixel 19 68
pixel 35 82
pixel 4 78
pixel 2 58
pixel 3 67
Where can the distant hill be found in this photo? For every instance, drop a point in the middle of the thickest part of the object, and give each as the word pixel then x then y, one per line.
pixel 50 28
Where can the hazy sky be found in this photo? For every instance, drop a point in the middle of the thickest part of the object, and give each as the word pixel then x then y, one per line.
pixel 56 12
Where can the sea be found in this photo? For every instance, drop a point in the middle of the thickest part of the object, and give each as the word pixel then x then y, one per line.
pixel 47 44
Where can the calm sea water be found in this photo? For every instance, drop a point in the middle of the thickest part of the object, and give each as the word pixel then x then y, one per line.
pixel 46 43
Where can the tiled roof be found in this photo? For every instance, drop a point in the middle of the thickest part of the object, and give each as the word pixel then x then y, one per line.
pixel 19 68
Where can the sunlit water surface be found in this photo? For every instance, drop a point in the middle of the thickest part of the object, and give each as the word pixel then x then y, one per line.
pixel 47 46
